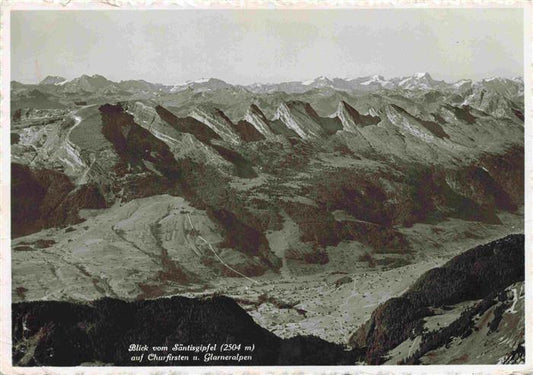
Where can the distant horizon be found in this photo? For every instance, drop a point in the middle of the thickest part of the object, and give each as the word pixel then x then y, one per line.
pixel 521 76
pixel 250 46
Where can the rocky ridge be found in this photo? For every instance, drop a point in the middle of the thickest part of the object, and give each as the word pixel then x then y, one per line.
pixel 219 185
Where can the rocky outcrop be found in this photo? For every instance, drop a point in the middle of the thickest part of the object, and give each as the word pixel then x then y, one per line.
pixel 256 117
pixel 186 137
pixel 460 114
pixel 300 118
pixel 352 120
pixel 35 116
pixel 189 125
pixel 144 114
pixel 497 97
pixel 218 122
pixel 428 131
pixel 135 145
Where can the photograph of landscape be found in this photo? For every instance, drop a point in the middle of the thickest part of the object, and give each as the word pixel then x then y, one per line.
pixel 267 187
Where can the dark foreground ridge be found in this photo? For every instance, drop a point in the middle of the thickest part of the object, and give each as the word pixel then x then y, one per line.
pixel 56 333
pixel 480 273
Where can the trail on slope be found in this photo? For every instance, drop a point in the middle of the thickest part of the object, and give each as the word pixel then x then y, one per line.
pixel 217 256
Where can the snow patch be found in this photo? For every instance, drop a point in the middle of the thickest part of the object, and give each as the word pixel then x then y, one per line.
pixel 201 80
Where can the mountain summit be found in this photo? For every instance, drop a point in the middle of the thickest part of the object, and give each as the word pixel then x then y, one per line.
pixel 420 81
pixel 52 80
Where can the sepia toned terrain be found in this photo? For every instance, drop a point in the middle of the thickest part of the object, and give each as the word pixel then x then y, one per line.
pixel 378 221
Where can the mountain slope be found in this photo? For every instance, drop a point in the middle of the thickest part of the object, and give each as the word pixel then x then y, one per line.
pixel 310 208
pixel 479 273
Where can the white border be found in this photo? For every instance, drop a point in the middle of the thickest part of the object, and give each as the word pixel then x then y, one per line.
pixel 5 249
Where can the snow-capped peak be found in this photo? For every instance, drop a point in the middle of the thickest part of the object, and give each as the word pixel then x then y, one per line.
pixel 464 83
pixel 421 75
pixel 321 81
pixel 419 81
pixel 53 80
pixel 201 80
pixel 374 79
pixel 202 84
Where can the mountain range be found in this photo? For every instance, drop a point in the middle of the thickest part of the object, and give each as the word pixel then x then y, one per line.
pixel 307 203
pixel 417 81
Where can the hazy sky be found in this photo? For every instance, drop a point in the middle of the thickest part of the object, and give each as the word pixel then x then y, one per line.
pixel 266 45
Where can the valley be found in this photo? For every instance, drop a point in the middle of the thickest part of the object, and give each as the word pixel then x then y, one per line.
pixel 309 204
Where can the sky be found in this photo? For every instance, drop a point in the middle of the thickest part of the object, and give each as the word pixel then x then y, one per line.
pixel 248 46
